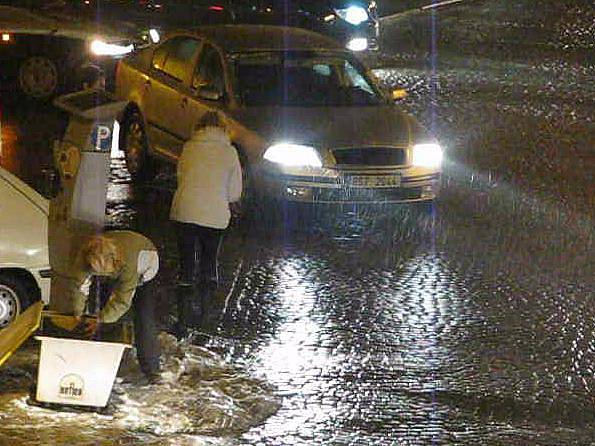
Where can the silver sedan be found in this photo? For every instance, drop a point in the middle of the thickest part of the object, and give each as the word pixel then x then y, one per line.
pixel 310 122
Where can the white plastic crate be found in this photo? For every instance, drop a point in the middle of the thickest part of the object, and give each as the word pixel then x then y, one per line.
pixel 77 372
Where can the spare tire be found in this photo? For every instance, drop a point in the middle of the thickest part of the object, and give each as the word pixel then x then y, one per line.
pixel 39 77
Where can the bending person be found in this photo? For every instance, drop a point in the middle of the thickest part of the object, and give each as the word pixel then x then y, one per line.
pixel 129 260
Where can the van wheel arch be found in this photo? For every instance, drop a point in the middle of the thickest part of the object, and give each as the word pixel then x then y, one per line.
pixel 20 285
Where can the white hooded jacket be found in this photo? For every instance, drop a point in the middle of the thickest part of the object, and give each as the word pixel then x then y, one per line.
pixel 209 178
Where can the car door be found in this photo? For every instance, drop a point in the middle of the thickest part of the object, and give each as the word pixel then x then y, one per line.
pixel 207 90
pixel 171 69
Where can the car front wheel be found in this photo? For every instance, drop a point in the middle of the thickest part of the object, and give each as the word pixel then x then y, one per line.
pixel 14 298
pixel 135 147
pixel 253 205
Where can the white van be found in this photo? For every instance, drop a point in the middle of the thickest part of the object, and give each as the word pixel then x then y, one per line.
pixel 24 260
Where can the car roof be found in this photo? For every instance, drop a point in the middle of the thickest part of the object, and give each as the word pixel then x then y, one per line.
pixel 255 38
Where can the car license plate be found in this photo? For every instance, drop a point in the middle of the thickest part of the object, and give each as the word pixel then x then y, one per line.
pixel 375 180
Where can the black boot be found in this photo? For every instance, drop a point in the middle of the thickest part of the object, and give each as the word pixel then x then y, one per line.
pixel 198 308
pixel 210 307
pixel 185 310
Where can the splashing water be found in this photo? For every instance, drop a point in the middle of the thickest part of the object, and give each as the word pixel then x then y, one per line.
pixel 202 400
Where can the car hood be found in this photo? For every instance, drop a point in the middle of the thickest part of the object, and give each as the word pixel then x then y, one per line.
pixel 34 197
pixel 327 127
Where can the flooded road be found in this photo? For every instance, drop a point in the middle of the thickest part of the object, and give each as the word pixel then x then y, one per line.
pixel 471 324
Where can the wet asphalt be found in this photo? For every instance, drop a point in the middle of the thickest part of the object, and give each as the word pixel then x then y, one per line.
pixel 470 323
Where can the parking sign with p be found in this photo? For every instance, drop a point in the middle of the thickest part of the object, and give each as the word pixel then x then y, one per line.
pixel 101 138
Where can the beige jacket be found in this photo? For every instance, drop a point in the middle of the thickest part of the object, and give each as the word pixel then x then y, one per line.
pixel 141 264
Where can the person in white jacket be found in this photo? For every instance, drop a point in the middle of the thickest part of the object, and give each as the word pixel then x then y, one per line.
pixel 209 179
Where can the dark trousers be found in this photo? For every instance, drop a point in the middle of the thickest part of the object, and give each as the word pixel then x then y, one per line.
pixel 145 327
pixel 198 246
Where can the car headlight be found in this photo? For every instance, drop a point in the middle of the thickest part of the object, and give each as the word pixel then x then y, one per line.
pixel 293 155
pixel 101 48
pixel 154 35
pixel 427 155
pixel 357 44
pixel 354 14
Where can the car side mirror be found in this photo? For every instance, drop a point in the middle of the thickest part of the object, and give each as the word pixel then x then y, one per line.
pixel 209 93
pixel 399 93
pixel 51 183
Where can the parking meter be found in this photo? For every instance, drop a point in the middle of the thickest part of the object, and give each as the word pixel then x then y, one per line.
pixel 82 158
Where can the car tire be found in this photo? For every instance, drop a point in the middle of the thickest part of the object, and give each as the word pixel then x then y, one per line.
pixel 39 77
pixel 133 142
pixel 250 204
pixel 249 198
pixel 14 298
pixel 256 208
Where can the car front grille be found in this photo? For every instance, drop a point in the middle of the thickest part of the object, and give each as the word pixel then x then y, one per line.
pixel 370 156
pixel 363 195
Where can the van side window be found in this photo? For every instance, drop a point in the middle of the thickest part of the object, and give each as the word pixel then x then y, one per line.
pixel 173 57
pixel 209 70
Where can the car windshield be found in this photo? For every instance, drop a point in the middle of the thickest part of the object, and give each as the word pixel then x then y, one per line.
pixel 303 79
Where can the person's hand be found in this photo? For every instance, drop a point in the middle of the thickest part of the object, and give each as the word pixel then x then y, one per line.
pixel 90 326
pixel 236 209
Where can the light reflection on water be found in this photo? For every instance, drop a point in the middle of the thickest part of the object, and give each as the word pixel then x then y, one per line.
pixel 293 358
pixel 351 363
pixel 411 349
